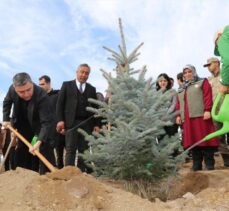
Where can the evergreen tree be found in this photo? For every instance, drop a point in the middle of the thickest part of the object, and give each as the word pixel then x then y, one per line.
pixel 137 114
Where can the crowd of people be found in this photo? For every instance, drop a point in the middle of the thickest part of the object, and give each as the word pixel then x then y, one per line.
pixel 53 116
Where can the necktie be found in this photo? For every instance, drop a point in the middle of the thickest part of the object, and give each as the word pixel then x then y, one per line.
pixel 81 88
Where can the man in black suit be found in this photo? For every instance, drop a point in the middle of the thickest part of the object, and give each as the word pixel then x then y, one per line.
pixel 45 84
pixel 32 116
pixel 71 111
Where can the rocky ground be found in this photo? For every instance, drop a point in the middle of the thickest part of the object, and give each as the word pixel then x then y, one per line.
pixel 69 189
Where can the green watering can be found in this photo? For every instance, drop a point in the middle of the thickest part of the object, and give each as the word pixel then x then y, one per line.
pixel 222 116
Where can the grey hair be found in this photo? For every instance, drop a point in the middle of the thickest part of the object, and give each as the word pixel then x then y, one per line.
pixel 84 65
pixel 20 79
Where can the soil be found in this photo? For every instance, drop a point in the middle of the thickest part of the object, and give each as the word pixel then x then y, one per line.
pixel 69 189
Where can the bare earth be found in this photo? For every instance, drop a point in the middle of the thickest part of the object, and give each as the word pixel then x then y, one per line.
pixel 69 189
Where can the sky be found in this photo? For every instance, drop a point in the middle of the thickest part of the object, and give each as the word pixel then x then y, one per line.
pixel 53 37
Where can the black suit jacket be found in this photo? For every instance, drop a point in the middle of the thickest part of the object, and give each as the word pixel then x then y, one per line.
pixel 53 96
pixel 67 103
pixel 39 113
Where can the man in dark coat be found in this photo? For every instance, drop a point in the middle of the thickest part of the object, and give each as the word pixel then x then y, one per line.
pixel 45 84
pixel 32 116
pixel 71 111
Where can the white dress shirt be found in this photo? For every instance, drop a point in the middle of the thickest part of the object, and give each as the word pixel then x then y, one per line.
pixel 83 85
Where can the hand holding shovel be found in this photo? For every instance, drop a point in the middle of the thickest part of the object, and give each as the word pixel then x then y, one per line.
pixel 35 145
pixel 35 151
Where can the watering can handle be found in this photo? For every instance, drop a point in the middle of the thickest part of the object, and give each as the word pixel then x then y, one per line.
pixel 215 104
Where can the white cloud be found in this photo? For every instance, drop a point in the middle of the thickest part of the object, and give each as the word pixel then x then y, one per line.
pixel 21 35
pixel 54 37
pixel 4 65
pixel 174 32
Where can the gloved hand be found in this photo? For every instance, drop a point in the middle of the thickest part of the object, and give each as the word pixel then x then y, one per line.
pixel 35 147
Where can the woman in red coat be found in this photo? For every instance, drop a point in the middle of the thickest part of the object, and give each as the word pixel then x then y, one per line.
pixel 194 104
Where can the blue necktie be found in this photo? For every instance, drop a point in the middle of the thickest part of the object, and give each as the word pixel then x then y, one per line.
pixel 81 88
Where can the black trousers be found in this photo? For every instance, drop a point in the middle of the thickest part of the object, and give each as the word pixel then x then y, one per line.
pixel 206 154
pixel 75 141
pixel 48 152
pixel 24 159
pixel 10 160
pixel 59 148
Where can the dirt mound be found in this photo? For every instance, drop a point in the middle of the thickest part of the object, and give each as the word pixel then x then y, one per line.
pixel 66 189
pixel 69 189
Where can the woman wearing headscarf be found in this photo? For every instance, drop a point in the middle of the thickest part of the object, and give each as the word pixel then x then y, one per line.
pixel 194 103
pixel 164 84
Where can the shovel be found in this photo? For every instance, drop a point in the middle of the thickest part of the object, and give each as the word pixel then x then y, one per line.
pixel 222 116
pixel 36 152
pixel 6 155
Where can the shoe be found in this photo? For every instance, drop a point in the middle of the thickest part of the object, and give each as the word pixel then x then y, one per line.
pixel 196 168
pixel 225 159
pixel 210 168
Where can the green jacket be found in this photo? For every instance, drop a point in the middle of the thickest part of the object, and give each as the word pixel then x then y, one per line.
pixel 222 50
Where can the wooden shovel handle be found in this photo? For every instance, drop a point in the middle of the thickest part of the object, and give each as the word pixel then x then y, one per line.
pixel 36 152
pixel 7 153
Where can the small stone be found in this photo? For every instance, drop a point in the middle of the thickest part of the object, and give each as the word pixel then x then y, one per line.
pixel 157 200
pixel 188 195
